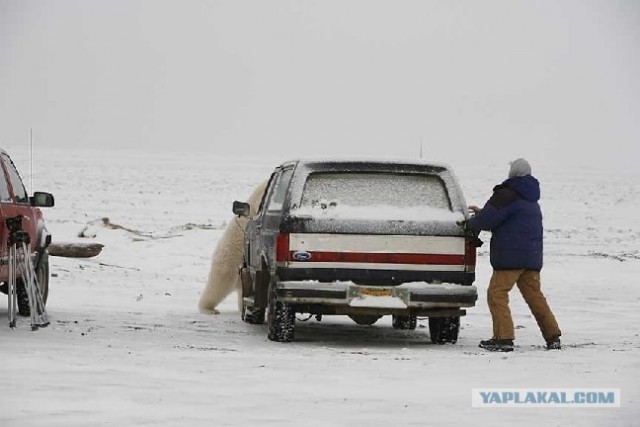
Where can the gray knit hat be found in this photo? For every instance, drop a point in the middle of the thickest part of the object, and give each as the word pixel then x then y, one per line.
pixel 519 167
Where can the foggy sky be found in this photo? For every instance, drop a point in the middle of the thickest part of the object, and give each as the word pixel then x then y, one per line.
pixel 548 80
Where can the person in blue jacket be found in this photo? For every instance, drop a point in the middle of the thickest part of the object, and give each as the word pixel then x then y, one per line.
pixel 514 218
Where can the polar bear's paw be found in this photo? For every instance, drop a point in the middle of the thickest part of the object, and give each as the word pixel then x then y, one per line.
pixel 209 311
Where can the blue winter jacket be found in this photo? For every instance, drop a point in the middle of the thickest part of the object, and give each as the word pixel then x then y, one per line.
pixel 514 218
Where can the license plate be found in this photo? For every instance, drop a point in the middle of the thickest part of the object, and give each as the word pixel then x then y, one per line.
pixel 375 292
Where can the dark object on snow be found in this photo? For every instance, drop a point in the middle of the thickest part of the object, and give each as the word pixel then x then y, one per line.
pixel 554 344
pixel 497 345
pixel 75 250
pixel 408 323
pixel 444 330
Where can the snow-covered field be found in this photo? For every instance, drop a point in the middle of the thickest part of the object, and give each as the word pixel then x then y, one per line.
pixel 126 345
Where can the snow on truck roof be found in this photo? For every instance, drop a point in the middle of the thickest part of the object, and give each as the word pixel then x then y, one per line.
pixel 346 163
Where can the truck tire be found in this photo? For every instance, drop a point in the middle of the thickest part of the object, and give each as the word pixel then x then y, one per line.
pixel 42 273
pixel 281 318
pixel 444 329
pixel 253 315
pixel 404 322
pixel 365 319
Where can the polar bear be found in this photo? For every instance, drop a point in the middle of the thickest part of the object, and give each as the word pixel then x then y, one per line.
pixel 224 276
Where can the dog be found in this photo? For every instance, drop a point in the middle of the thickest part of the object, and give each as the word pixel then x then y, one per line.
pixel 224 273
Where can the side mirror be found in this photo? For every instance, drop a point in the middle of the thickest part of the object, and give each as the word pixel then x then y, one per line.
pixel 241 209
pixel 41 199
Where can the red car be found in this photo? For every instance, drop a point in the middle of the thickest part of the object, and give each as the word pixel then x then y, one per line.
pixel 15 202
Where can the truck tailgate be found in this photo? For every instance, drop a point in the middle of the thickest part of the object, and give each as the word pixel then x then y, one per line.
pixel 372 259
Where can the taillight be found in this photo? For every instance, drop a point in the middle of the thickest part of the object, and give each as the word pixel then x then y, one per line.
pixel 470 254
pixel 282 247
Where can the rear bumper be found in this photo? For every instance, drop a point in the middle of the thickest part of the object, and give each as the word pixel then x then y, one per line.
pixel 379 277
pixel 412 296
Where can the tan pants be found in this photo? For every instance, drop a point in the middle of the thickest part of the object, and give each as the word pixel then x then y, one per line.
pixel 528 281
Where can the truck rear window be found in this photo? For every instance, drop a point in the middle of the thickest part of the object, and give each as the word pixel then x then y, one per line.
pixel 348 193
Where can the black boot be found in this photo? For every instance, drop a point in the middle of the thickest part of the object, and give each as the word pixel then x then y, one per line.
pixel 495 344
pixel 554 344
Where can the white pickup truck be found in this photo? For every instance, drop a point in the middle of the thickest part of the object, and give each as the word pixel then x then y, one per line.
pixel 363 239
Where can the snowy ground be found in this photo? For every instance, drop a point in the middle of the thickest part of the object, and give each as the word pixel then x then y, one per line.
pixel 127 346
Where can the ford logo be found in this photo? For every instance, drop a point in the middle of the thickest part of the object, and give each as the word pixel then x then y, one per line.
pixel 301 256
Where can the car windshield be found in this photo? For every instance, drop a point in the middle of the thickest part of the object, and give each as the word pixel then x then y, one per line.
pixel 381 195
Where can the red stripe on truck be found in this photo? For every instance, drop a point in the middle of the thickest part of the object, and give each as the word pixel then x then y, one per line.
pixel 282 247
